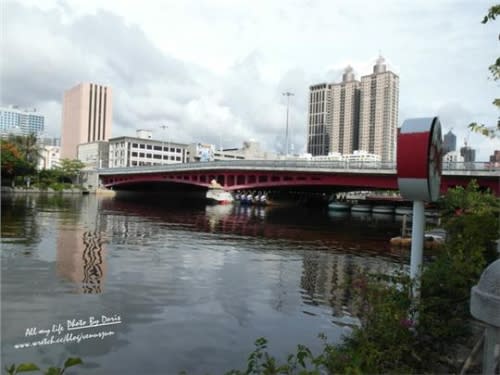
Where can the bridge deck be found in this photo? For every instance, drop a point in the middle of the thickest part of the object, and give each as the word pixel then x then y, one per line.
pixel 262 174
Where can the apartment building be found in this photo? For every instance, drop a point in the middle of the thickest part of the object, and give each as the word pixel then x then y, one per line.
pixel 20 121
pixel 355 115
pixel 343 113
pixel 378 115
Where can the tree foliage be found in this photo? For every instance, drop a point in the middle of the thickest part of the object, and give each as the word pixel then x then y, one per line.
pixel 70 168
pixel 13 162
pixel 28 146
pixel 494 69
pixel 31 367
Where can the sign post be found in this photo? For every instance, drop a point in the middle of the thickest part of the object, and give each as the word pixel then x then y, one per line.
pixel 419 159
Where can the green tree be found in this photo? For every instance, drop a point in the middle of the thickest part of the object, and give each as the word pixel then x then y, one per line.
pixel 494 69
pixel 28 146
pixel 70 168
pixel 13 162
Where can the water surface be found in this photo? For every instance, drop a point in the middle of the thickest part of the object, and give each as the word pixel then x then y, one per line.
pixel 180 286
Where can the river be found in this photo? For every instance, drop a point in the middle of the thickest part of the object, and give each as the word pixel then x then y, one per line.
pixel 156 285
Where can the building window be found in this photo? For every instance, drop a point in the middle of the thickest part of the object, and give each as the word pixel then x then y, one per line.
pixel 142 146
pixel 134 153
pixel 134 145
pixel 141 154
pixel 157 148
pixel 148 156
pixel 149 147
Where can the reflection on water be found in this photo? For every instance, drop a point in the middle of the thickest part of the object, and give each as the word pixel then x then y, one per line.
pixel 92 262
pixel 81 259
pixel 195 285
pixel 81 255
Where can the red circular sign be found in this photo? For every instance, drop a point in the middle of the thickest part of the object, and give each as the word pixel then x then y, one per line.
pixel 419 158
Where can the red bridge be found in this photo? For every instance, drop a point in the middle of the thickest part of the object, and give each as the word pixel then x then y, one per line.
pixel 291 174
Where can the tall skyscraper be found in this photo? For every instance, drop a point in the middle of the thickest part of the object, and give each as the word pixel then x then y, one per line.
pixel 86 117
pixel 319 129
pixel 20 122
pixel 468 153
pixel 450 142
pixel 353 115
pixel 344 113
pixel 378 118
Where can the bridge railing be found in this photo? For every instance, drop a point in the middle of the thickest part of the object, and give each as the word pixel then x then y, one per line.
pixel 271 164
pixel 295 164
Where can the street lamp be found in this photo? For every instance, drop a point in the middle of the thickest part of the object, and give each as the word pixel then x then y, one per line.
pixel 163 143
pixel 287 94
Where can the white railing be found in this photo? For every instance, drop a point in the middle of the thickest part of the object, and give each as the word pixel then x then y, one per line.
pixel 369 166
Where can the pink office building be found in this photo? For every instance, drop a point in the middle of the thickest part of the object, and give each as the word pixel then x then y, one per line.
pixel 86 117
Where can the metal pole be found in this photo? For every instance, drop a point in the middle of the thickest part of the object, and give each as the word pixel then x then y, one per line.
pixel 286 134
pixel 163 143
pixel 287 94
pixel 491 337
pixel 417 245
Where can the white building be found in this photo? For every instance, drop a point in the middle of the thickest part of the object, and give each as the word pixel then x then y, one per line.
pixel 49 157
pixel 94 154
pixel 361 156
pixel 332 156
pixel 143 151
pixel 20 121
pixel 356 157
pixel 453 160
pixel 251 151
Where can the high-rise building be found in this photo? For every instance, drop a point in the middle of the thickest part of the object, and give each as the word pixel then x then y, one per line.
pixel 495 157
pixel 86 117
pixel 353 115
pixel 319 128
pixel 468 153
pixel 20 122
pixel 450 142
pixel 343 114
pixel 378 118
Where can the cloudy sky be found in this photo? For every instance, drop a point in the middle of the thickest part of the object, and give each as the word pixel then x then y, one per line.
pixel 215 70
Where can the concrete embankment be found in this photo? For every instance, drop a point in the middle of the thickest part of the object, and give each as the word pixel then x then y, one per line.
pixel 22 190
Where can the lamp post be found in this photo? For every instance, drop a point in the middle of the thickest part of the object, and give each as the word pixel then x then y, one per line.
pixel 163 143
pixel 287 94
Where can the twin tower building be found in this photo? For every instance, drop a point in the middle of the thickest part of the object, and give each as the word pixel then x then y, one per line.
pixel 355 115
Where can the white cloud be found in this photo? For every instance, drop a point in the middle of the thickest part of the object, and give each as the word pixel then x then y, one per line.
pixel 213 69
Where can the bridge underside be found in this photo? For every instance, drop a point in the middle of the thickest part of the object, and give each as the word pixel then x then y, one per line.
pixel 246 180
pixel 273 180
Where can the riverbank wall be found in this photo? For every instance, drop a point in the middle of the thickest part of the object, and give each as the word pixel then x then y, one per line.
pixel 24 190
